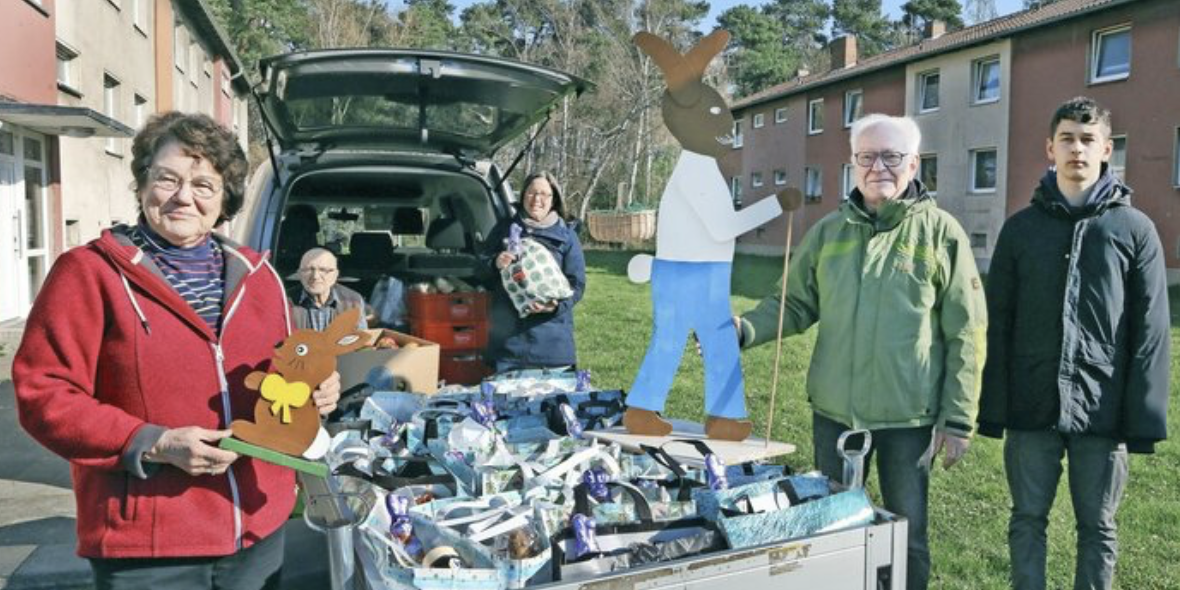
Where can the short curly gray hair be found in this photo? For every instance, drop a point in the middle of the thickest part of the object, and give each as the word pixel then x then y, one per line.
pixel 913 135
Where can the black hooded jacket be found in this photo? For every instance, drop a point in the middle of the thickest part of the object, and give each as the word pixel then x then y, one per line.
pixel 1078 338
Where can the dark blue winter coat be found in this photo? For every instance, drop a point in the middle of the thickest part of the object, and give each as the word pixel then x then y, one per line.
pixel 1078 335
pixel 539 340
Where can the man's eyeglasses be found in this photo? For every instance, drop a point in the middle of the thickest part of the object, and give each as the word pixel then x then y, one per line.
pixel 311 270
pixel 889 159
pixel 201 187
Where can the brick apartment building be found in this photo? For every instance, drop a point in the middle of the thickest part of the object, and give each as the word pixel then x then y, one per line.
pixel 77 77
pixel 983 97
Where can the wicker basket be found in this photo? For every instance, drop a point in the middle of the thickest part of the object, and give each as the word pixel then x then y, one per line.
pixel 622 226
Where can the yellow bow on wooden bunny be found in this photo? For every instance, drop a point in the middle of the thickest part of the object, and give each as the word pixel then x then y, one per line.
pixel 284 395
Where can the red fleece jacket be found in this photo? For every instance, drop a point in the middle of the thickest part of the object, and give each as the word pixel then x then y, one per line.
pixel 105 359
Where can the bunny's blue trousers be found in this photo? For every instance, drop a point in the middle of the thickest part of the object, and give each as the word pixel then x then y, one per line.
pixel 691 296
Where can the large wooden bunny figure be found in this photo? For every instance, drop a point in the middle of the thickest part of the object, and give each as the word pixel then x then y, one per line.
pixel 697 226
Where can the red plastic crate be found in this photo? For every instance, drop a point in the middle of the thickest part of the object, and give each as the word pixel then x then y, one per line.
pixel 452 336
pixel 465 367
pixel 448 307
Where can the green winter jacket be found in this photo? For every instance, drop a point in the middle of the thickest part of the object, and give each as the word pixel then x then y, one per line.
pixel 901 312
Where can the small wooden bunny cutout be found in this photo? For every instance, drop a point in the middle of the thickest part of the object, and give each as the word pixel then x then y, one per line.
pixel 285 417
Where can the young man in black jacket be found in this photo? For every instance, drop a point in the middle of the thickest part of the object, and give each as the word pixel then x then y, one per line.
pixel 1078 347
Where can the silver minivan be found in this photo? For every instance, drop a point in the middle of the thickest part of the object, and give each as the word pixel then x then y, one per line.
pixel 384 157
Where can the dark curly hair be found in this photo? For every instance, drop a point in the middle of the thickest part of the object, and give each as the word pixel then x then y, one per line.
pixel 1081 109
pixel 202 137
pixel 558 204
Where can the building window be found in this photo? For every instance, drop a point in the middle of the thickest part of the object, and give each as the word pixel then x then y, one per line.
pixel 738 138
pixel 928 83
pixel 735 188
pixel 1176 161
pixel 1118 157
pixel 979 240
pixel 759 120
pixel 140 111
pixel 65 68
pixel 813 188
pixel 110 107
pixel 780 177
pixel 847 183
pixel 983 171
pixel 194 58
pixel 780 115
pixel 755 179
pixel 139 14
pixel 180 47
pixel 1110 54
pixel 928 172
pixel 815 116
pixel 853 102
pixel 986 74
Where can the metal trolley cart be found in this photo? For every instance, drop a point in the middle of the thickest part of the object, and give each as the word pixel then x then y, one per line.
pixel 862 558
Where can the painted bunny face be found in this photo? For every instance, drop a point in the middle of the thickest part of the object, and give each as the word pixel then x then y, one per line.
pixel 310 357
pixel 705 126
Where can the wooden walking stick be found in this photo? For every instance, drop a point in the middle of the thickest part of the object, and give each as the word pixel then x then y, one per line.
pixel 790 199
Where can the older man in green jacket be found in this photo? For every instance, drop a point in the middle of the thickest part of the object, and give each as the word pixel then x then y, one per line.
pixel 892 282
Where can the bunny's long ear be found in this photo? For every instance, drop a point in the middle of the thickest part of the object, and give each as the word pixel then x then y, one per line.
pixel 343 334
pixel 682 72
pixel 698 57
pixel 677 72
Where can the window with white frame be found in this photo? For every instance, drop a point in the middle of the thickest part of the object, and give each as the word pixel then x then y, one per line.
pixel 780 177
pixel 928 85
pixel 110 107
pixel 756 179
pixel 853 105
pixel 815 116
pixel 139 14
pixel 65 68
pixel 1110 54
pixel 735 189
pixel 928 172
pixel 979 240
pixel 780 115
pixel 847 182
pixel 180 46
pixel 1118 157
pixel 1176 161
pixel 759 120
pixel 986 77
pixel 141 111
pixel 738 137
pixel 813 184
pixel 194 60
pixel 983 170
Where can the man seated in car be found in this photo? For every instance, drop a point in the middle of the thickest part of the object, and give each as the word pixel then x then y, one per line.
pixel 321 299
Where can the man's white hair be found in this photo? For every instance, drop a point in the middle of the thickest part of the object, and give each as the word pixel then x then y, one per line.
pixel 906 125
pixel 316 253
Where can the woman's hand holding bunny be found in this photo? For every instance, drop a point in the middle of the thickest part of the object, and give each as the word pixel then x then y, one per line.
pixel 327 394
pixel 192 449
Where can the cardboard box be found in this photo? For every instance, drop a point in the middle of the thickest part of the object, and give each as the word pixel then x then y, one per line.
pixel 408 369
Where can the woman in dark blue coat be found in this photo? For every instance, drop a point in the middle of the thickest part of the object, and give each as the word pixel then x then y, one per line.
pixel 545 337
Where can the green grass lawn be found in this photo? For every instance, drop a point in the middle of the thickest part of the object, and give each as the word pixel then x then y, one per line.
pixel 969 504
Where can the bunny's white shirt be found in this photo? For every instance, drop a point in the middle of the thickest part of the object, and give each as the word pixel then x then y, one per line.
pixel 697 221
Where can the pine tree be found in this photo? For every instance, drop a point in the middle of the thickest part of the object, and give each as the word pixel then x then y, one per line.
pixel 863 18
pixel 917 13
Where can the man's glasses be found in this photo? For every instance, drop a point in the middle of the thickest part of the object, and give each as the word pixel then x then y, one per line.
pixel 889 159
pixel 311 270
pixel 201 187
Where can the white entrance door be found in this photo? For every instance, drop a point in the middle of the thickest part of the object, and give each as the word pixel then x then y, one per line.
pixel 24 243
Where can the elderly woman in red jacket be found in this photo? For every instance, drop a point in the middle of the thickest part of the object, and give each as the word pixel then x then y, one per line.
pixel 132 368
